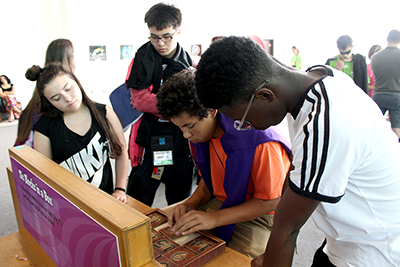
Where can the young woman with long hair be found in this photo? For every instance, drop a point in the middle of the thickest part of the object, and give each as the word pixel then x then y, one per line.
pixel 60 51
pixel 78 133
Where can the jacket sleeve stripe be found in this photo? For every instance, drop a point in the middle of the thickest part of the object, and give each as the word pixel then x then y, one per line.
pixel 318 121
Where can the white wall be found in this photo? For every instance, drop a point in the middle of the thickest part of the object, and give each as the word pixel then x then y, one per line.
pixel 313 26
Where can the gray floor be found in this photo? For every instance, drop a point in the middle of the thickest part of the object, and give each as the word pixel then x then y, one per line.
pixel 8 223
pixel 309 239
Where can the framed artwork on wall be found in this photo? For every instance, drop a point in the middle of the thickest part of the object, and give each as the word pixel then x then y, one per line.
pixel 97 53
pixel 196 50
pixel 126 52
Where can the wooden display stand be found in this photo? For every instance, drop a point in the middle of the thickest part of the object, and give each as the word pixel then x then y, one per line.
pixel 65 221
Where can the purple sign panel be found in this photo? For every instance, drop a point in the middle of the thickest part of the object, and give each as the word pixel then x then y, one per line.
pixel 69 236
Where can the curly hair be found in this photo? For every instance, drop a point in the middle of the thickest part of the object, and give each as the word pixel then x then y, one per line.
pixel 178 95
pixel 230 70
pixel 163 16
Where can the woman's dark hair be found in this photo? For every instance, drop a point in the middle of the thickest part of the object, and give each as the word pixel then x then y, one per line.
pixel 44 76
pixel 178 95
pixel 27 118
pixel 373 50
pixel 8 79
pixel 61 51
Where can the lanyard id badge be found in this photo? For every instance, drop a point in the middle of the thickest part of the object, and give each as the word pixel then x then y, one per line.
pixel 162 147
pixel 162 158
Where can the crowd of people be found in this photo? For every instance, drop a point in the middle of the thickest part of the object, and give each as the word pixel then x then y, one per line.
pixel 215 120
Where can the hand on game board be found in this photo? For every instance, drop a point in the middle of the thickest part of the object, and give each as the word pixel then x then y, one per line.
pixel 177 212
pixel 193 221
pixel 198 198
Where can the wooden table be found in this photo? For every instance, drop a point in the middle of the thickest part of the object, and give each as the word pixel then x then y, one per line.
pixel 15 250
pixel 14 244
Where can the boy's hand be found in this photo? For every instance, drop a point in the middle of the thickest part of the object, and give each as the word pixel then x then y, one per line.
pixel 193 221
pixel 175 214
pixel 339 65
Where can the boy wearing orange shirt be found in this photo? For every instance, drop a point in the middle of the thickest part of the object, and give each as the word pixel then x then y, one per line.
pixel 243 172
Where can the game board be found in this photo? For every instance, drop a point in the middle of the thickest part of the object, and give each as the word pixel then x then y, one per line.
pixel 187 251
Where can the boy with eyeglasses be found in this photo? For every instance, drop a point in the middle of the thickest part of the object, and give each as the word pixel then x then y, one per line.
pixel 157 149
pixel 353 65
pixel 346 171
pixel 242 171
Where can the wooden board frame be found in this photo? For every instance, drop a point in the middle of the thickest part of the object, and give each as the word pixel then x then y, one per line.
pixel 130 226
pixel 127 221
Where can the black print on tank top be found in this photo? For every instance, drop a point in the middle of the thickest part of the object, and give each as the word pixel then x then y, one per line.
pixel 88 161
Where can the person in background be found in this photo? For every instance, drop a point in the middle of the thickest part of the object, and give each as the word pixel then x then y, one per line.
pixel 295 61
pixel 7 94
pixel 77 133
pixel 386 68
pixel 243 172
pixel 215 38
pixel 374 49
pixel 346 171
pixel 166 157
pixel 353 65
pixel 61 51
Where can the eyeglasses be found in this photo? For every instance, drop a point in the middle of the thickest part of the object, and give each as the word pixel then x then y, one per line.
pixel 165 39
pixel 345 53
pixel 244 125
